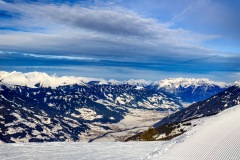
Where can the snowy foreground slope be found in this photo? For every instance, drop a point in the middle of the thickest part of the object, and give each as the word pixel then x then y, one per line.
pixel 77 151
pixel 217 138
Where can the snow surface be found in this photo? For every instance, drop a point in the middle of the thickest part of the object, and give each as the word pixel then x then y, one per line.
pixel 77 151
pixel 217 138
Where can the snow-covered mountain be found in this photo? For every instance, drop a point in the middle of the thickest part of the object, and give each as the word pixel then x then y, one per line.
pixel 31 104
pixel 215 104
pixel 65 112
pixel 32 79
pixel 173 83
pixel 185 89
pixel 24 119
pixel 237 83
pixel 190 89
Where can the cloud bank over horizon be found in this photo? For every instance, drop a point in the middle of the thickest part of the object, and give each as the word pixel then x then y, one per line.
pixel 118 38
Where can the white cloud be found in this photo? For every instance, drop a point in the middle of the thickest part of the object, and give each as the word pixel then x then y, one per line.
pixel 59 57
pixel 96 31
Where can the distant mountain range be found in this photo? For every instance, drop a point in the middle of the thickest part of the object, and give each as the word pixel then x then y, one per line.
pixel 44 80
pixel 190 89
pixel 36 107
pixel 185 89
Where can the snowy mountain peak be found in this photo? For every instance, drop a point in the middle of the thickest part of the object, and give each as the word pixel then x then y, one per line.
pixel 191 89
pixel 138 82
pixel 32 79
pixel 237 83
pixel 3 74
pixel 186 82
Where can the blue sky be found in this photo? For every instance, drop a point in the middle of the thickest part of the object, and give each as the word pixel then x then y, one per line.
pixel 122 39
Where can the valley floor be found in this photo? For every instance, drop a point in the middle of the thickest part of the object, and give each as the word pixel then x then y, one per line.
pixel 138 120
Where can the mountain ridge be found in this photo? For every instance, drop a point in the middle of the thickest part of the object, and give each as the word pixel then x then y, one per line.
pixel 30 79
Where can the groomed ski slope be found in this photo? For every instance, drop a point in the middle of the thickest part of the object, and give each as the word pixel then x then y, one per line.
pixel 218 138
